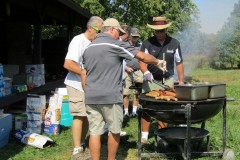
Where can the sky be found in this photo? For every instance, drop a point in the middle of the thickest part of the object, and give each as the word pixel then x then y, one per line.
pixel 214 13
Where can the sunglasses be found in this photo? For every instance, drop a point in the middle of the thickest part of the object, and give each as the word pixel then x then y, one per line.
pixel 96 29
pixel 159 31
pixel 117 30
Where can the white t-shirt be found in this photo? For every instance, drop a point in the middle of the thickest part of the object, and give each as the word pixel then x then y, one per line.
pixel 75 51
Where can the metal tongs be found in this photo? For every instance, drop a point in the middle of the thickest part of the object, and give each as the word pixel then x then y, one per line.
pixel 165 87
pixel 136 85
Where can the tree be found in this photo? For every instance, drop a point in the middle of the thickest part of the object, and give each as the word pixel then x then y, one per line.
pixel 182 13
pixel 140 12
pixel 228 39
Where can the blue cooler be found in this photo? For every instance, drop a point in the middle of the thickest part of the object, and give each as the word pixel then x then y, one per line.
pixel 66 119
pixel 5 129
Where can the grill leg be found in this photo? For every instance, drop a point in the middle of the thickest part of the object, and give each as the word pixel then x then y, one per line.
pixel 208 143
pixel 187 142
pixel 224 127
pixel 139 134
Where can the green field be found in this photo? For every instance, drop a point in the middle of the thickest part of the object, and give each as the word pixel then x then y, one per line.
pixel 128 150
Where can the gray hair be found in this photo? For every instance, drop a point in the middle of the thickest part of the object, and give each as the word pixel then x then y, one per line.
pixel 106 28
pixel 94 20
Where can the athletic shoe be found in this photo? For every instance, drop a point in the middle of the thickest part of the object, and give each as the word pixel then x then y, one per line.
pixel 134 115
pixel 126 118
pixel 122 133
pixel 144 141
pixel 81 153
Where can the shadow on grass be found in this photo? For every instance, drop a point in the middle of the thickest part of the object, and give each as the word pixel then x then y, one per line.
pixel 11 149
pixel 14 147
pixel 124 146
pixel 63 128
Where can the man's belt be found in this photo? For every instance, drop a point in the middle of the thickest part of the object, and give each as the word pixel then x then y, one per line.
pixel 134 70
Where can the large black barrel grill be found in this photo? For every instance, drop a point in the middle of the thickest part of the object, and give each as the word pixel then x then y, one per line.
pixel 196 103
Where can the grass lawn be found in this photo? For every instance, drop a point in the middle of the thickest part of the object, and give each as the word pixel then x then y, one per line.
pixel 128 147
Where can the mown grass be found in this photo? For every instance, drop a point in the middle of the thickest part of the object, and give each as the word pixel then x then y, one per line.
pixel 128 147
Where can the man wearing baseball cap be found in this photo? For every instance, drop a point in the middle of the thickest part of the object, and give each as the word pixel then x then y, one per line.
pixel 134 35
pixel 133 75
pixel 103 62
pixel 135 32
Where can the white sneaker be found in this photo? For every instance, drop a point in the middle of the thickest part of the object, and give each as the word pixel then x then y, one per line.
pixel 182 125
pixel 122 133
pixel 144 141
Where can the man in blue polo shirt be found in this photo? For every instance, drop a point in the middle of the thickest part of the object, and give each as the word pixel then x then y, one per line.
pixel 103 61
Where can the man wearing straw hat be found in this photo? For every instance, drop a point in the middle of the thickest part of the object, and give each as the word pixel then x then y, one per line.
pixel 163 47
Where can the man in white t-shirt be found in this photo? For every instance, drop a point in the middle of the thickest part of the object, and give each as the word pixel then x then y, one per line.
pixel 73 81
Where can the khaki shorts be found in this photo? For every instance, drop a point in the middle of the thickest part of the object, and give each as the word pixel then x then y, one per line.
pixel 76 102
pixel 99 114
pixel 136 76
pixel 149 86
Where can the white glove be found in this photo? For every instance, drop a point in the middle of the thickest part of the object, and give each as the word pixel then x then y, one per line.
pixel 147 76
pixel 162 65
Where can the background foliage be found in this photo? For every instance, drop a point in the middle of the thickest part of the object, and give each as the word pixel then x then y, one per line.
pixel 228 40
pixel 219 51
pixel 140 12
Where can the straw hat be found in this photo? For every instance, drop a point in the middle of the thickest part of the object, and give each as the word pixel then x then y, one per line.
pixel 159 23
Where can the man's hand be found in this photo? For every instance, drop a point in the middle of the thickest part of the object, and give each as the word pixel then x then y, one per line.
pixel 180 83
pixel 83 78
pixel 162 65
pixel 147 76
pixel 128 69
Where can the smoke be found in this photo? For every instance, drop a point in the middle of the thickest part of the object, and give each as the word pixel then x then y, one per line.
pixel 195 46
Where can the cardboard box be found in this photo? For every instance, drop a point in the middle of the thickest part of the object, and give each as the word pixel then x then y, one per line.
pixel 35 69
pixel 5 129
pixel 7 91
pixel 36 103
pixel 10 70
pixel 37 79
pixel 1 69
pixel 20 79
pixel 35 126
pixel 7 82
pixel 1 82
pixel 1 91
